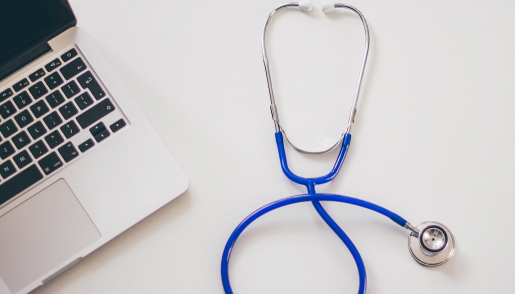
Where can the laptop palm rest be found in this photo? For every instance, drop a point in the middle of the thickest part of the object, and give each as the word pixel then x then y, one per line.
pixel 41 234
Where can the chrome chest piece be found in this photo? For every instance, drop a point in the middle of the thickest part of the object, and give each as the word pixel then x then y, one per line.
pixel 431 243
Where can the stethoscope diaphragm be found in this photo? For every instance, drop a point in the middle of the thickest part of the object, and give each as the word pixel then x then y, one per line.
pixel 434 244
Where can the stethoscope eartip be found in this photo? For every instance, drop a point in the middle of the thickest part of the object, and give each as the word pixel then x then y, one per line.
pixel 305 6
pixel 327 6
pixel 432 245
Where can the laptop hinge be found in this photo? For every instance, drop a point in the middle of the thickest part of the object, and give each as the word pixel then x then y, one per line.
pixel 24 59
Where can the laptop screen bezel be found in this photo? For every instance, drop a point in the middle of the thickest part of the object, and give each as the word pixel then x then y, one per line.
pixel 37 44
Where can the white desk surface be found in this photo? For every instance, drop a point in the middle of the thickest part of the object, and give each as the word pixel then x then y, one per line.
pixel 434 139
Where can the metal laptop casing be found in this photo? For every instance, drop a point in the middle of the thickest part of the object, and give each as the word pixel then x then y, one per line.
pixel 121 180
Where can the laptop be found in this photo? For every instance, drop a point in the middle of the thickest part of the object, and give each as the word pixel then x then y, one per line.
pixel 79 162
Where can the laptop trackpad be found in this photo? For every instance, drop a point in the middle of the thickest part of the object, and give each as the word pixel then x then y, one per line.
pixel 41 234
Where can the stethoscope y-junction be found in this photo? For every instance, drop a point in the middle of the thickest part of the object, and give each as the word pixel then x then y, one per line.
pixel 430 243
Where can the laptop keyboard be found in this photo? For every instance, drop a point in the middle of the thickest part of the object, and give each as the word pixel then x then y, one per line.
pixel 51 118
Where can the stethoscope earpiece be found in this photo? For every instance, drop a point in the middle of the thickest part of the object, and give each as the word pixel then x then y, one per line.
pixel 327 6
pixel 305 6
pixel 431 243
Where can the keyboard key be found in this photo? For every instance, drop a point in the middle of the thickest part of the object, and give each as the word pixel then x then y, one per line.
pixel 5 94
pixel 19 183
pixel 6 150
pixel 22 100
pixel 70 129
pixel 38 149
pixel 73 68
pixel 70 89
pixel 7 169
pixel 36 130
pixel 50 163
pixel 68 152
pixel 7 109
pixel 102 136
pixel 37 74
pixel 68 110
pixel 52 120
pixel 86 145
pixel 38 90
pixel 69 55
pixel 24 119
pixel 117 125
pixel 21 140
pixel 53 80
pixel 39 109
pixel 88 81
pixel 97 129
pixel 54 139
pixel 20 85
pixel 95 113
pixel 22 159
pixel 8 128
pixel 53 65
pixel 55 99
pixel 84 100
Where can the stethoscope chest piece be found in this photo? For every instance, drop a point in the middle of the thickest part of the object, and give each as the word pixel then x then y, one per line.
pixel 434 244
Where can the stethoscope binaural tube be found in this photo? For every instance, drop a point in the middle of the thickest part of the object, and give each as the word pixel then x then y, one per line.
pixel 326 7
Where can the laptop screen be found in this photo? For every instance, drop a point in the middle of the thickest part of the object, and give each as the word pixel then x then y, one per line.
pixel 27 23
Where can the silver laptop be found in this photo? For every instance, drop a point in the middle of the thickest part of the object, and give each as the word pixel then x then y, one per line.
pixel 79 163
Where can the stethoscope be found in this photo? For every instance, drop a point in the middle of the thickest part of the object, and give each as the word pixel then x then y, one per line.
pixel 430 243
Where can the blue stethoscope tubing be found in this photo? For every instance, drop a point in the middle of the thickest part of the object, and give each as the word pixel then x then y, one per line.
pixel 315 198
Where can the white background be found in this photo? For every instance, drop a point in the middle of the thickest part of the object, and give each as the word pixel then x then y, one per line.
pixel 434 139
